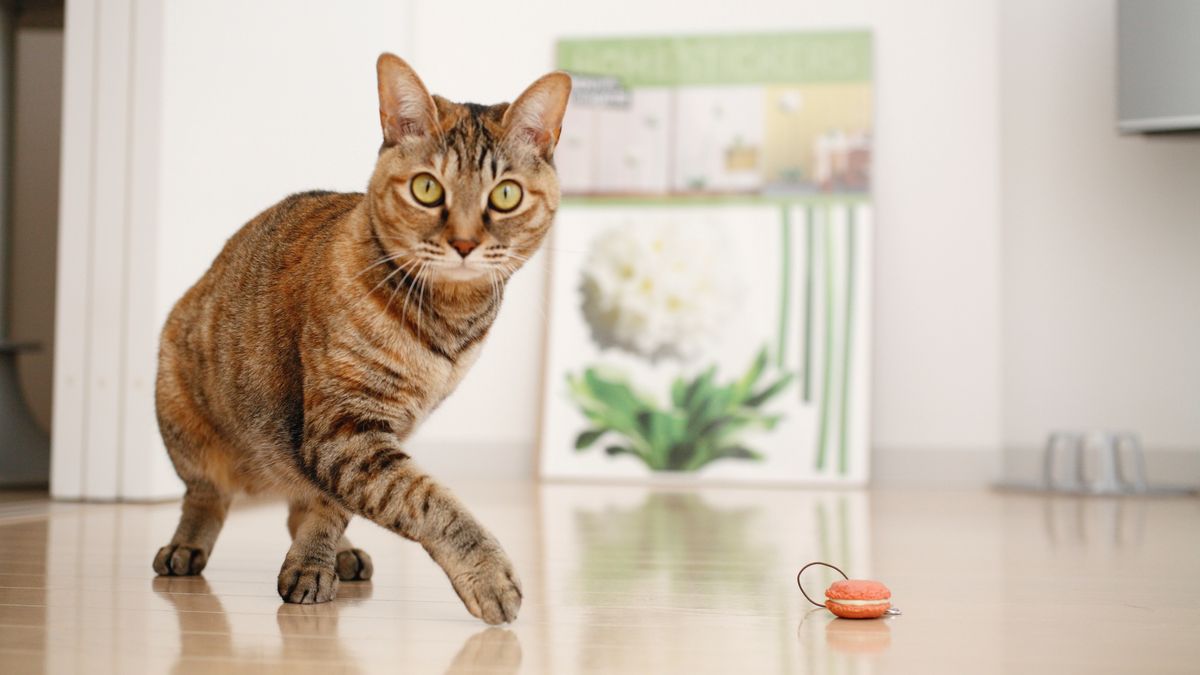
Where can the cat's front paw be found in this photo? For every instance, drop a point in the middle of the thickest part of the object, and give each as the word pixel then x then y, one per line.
pixel 353 564
pixel 175 560
pixel 307 584
pixel 488 586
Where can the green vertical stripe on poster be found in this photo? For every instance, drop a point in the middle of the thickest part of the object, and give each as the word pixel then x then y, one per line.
pixel 847 340
pixel 785 294
pixel 827 356
pixel 808 300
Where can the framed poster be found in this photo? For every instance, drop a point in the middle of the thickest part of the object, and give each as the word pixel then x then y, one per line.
pixel 710 281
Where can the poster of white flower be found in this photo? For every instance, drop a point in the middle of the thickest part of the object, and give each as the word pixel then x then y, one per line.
pixel 710 293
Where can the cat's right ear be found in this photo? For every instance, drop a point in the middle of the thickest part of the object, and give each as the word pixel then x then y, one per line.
pixel 405 107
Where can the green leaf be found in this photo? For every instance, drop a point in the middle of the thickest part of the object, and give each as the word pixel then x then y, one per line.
pixel 717 404
pixel 614 392
pixel 668 429
pixel 702 424
pixel 716 425
pixel 699 387
pixel 768 393
pixel 585 439
pixel 678 393
pixel 607 401
pixel 683 457
pixel 748 380
pixel 614 450
pixel 770 421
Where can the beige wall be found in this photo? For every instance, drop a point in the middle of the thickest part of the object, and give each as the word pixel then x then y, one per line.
pixel 36 118
pixel 1101 241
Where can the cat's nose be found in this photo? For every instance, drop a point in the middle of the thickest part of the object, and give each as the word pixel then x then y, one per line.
pixel 463 246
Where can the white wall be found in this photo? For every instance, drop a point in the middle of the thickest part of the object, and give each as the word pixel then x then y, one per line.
pixel 260 100
pixel 1101 241
pixel 937 350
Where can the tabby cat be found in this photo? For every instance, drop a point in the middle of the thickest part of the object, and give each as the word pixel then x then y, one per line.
pixel 332 324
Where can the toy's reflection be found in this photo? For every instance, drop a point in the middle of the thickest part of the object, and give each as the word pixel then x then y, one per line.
pixel 834 645
pixel 308 634
pixel 858 636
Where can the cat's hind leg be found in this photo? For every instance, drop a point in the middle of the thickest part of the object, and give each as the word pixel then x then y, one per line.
pixel 202 461
pixel 204 508
pixel 353 564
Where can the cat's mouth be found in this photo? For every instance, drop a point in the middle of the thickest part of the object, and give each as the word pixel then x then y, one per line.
pixel 460 270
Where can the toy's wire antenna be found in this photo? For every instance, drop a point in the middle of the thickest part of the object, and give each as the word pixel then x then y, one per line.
pixel 818 604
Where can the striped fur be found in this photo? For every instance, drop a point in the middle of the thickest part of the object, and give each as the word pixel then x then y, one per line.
pixel 332 324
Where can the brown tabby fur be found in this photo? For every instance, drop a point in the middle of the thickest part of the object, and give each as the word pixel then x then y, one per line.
pixel 332 324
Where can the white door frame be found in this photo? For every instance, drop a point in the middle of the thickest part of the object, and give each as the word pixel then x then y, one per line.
pixel 104 437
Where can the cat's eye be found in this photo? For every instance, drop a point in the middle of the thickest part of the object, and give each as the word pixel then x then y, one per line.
pixel 427 190
pixel 506 196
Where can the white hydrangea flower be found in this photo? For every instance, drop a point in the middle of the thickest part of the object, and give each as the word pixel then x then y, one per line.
pixel 657 291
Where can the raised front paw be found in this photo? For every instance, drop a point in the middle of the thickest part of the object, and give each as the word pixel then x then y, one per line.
pixel 488 586
pixel 307 584
pixel 176 560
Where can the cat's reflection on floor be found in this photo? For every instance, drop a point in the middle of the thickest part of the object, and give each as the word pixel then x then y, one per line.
pixel 495 648
pixel 307 633
pixel 309 636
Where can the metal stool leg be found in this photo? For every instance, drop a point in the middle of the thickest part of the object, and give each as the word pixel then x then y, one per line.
pixel 1136 457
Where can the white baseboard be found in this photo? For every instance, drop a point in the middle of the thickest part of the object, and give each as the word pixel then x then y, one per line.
pixel 953 468
pixel 941 468
pixel 1164 466
pixel 891 467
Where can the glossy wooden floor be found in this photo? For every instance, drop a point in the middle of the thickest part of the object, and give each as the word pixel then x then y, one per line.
pixel 630 580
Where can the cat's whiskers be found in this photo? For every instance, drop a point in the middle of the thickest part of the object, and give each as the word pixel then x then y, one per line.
pixel 494 282
pixel 420 297
pixel 509 267
pixel 381 261
pixel 396 289
pixel 399 269
pixel 408 295
pixel 525 260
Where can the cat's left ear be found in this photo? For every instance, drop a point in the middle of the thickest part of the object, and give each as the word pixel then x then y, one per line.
pixel 536 116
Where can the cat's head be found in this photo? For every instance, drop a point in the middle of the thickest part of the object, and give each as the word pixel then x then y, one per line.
pixel 463 193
